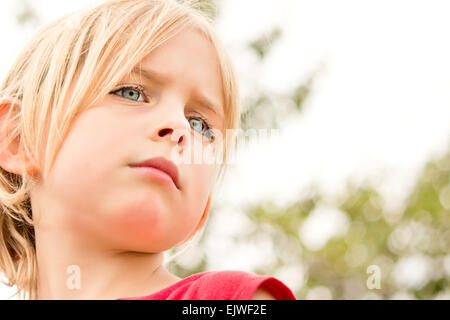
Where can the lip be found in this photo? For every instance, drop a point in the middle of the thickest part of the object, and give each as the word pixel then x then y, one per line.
pixel 162 164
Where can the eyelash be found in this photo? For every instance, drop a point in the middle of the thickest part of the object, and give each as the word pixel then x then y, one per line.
pixel 142 92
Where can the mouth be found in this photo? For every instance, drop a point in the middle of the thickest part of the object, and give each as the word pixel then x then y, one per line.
pixel 159 167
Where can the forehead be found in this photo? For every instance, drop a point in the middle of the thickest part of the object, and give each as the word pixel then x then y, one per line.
pixel 189 62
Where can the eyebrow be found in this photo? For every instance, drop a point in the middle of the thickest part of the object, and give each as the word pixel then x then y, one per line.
pixel 151 75
pixel 154 76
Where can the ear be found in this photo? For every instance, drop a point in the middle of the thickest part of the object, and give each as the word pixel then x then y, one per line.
pixel 11 157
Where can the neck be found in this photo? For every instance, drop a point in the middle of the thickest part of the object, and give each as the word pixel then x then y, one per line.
pixel 70 269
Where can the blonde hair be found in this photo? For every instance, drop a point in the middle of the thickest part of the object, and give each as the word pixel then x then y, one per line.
pixel 96 46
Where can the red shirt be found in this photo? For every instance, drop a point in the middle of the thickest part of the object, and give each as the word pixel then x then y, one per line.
pixel 220 285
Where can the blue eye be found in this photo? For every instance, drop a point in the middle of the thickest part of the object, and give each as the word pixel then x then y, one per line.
pixel 135 92
pixel 202 126
pixel 131 93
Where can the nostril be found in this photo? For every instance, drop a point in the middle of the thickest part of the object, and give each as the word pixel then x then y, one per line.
pixel 163 132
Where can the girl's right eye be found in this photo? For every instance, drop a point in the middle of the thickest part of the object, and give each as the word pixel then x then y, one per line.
pixel 131 93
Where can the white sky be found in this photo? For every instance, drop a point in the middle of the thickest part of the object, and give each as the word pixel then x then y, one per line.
pixel 381 104
pixel 379 110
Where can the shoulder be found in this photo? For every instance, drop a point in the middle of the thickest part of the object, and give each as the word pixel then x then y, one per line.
pixel 241 285
pixel 263 294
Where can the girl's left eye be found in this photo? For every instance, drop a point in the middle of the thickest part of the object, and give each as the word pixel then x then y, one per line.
pixel 203 125
pixel 132 93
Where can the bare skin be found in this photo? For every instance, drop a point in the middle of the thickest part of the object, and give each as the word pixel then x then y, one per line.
pixel 111 222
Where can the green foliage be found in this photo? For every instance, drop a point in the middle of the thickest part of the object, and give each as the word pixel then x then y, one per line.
pixel 372 229
pixel 25 13
pixel 264 43
pixel 207 6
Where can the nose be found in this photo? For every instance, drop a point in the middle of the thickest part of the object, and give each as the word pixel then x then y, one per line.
pixel 175 130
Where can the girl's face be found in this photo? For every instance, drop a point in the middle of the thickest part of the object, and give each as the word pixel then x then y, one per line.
pixel 92 191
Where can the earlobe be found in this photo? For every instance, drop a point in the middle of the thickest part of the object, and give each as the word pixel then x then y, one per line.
pixel 11 158
pixel 10 162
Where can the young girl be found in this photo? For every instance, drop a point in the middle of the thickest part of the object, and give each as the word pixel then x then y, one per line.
pixel 96 113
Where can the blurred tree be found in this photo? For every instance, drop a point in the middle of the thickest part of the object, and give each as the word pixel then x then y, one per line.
pixel 374 237
pixel 265 42
pixel 25 13
pixel 208 6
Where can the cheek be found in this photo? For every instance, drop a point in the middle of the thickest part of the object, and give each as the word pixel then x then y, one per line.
pixel 85 171
pixel 204 175
pixel 199 188
pixel 81 168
